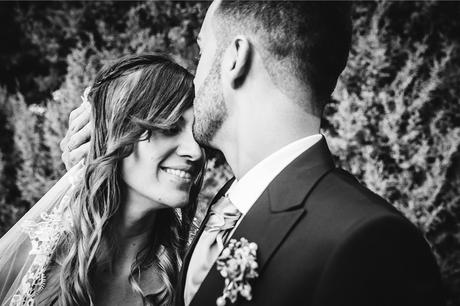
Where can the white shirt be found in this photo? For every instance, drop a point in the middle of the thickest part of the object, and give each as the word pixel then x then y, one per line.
pixel 245 192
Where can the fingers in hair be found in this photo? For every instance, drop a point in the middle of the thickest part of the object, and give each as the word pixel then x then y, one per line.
pixel 80 121
pixel 79 138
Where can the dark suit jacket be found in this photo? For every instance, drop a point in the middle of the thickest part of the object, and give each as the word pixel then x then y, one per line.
pixel 324 239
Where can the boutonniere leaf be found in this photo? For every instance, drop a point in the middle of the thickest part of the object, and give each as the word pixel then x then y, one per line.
pixel 238 265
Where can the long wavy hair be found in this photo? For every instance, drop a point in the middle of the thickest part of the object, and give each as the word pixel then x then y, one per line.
pixel 129 97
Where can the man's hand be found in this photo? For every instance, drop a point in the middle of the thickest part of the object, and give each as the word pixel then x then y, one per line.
pixel 75 145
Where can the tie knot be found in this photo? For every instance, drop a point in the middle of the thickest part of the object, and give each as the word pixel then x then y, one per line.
pixel 223 215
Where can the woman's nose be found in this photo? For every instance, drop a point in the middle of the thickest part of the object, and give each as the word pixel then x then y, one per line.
pixel 188 147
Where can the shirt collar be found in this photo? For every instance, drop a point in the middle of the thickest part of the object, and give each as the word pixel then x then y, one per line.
pixel 245 192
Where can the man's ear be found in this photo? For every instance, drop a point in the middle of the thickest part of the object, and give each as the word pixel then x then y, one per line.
pixel 239 61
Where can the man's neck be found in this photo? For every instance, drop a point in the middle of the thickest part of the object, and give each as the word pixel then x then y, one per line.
pixel 256 137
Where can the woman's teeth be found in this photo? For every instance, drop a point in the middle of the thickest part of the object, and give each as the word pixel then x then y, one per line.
pixel 179 173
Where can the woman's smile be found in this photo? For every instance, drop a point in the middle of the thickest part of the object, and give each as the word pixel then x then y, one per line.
pixel 182 174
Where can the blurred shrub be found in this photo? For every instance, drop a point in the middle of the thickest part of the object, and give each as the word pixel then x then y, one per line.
pixel 11 205
pixel 393 121
pixel 6 213
pixel 33 169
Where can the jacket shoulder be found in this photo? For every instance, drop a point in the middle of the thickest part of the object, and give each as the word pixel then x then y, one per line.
pixel 343 204
pixel 342 192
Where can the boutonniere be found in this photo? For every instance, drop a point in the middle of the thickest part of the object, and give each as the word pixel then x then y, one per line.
pixel 237 264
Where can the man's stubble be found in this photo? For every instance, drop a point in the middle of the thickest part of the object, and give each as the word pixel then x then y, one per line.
pixel 209 107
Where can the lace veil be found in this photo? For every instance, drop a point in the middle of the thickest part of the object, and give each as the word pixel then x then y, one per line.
pixel 27 248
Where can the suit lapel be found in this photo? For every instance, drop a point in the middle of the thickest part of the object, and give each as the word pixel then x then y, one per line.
pixel 188 255
pixel 274 214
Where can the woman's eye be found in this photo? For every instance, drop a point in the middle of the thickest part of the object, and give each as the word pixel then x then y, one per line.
pixel 172 131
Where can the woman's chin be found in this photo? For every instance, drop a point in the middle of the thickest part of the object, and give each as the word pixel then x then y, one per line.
pixel 178 201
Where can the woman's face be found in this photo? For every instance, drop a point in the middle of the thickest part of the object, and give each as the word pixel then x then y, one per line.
pixel 162 169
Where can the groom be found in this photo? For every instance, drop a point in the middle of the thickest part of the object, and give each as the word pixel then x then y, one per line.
pixel 265 74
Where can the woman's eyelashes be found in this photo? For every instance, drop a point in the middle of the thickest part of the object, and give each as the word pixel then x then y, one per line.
pixel 171 131
pixel 174 129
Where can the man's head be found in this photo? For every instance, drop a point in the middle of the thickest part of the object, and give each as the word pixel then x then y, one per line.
pixel 303 47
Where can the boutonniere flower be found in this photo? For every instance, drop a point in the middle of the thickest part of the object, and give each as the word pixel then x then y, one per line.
pixel 237 264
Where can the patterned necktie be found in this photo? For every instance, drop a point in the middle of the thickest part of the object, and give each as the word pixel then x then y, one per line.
pixel 222 219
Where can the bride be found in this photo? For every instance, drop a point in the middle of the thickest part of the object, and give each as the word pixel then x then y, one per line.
pixel 110 232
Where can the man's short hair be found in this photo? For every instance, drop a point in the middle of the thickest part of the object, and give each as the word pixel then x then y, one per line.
pixel 307 40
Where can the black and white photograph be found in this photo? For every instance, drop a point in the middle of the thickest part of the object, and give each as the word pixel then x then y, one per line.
pixel 230 152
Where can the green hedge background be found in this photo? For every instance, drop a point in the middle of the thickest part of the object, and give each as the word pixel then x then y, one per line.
pixel 393 121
